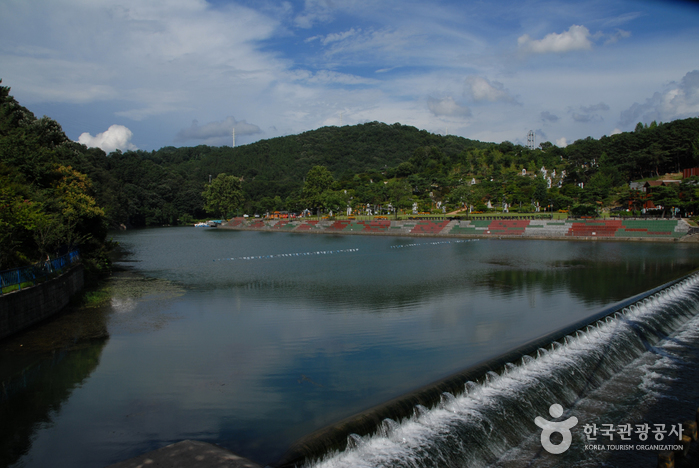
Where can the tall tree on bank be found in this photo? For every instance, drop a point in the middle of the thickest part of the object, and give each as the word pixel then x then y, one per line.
pixel 318 180
pixel 46 206
pixel 223 196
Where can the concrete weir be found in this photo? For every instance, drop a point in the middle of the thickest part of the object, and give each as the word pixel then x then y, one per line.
pixel 188 454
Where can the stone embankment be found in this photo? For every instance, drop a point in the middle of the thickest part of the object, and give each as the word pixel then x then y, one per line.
pixel 571 229
pixel 21 309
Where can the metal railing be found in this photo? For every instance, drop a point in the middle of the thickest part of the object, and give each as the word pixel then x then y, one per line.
pixel 37 272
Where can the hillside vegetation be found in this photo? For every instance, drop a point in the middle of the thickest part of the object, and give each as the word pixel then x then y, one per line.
pixel 380 164
pixel 47 206
pixel 56 194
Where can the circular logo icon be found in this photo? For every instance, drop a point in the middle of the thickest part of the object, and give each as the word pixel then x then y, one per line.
pixel 562 427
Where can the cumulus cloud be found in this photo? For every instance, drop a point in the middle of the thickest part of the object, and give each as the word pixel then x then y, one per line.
pixel 616 131
pixel 677 101
pixel 548 117
pixel 562 142
pixel 481 89
pixel 447 107
pixel 576 38
pixel 214 130
pixel 117 137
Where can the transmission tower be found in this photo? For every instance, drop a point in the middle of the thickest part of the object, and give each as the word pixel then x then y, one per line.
pixel 530 139
pixel 233 137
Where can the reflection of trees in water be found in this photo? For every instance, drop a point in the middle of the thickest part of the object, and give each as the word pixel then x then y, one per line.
pixel 39 368
pixel 591 282
pixel 34 387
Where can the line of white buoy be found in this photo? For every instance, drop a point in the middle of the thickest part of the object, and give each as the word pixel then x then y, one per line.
pixel 433 243
pixel 295 254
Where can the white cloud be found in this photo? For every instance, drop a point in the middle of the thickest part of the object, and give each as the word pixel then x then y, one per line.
pixel 677 101
pixel 332 77
pixel 617 36
pixel 117 137
pixel 315 11
pixel 616 131
pixel 576 38
pixel 562 142
pixel 150 59
pixel 164 64
pixel 447 107
pixel 339 36
pixel 220 129
pixel 481 89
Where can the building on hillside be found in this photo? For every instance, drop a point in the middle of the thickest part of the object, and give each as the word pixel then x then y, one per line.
pixel 694 171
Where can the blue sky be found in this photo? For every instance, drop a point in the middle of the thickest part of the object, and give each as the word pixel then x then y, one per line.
pixel 151 73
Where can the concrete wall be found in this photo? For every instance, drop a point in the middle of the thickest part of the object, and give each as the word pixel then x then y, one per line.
pixel 21 309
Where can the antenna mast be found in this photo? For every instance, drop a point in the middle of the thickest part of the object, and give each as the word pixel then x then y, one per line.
pixel 530 139
pixel 233 137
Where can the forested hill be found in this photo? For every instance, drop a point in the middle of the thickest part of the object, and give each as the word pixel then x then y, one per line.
pixel 372 163
pixel 164 186
pixel 277 167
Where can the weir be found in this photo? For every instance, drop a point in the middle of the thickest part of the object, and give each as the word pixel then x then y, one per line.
pixel 472 418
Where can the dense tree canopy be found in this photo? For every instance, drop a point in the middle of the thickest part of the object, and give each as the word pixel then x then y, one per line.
pixel 319 180
pixel 47 206
pixel 223 196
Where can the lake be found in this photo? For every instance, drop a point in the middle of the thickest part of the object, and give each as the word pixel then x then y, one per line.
pixel 251 340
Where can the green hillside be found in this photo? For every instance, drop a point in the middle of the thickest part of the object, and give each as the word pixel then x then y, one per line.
pixel 372 163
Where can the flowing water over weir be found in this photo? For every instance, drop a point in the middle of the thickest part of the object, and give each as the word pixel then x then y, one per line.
pixel 476 417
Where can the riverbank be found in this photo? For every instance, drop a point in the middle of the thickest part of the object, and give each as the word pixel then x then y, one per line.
pixel 570 229
pixel 23 308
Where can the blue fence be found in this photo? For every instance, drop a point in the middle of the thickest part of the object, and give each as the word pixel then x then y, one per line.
pixel 37 272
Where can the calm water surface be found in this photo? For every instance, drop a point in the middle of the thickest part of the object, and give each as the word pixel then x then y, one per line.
pixel 204 340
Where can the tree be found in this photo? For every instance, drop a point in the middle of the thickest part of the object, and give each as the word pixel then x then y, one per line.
pixel 583 210
pixel 318 180
pixel 666 196
pixel 334 200
pixel 223 195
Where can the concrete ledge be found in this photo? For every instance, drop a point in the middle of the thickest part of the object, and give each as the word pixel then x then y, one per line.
pixel 21 309
pixel 188 454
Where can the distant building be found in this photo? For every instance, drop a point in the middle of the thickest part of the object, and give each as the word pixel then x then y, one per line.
pixel 690 172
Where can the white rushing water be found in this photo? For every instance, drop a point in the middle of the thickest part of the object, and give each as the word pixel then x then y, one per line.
pixel 616 369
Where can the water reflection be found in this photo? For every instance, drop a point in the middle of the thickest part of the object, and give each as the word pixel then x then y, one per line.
pixel 39 370
pixel 253 354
